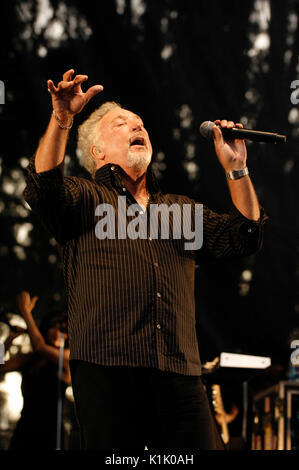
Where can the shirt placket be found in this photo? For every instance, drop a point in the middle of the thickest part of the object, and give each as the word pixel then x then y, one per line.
pixel 157 299
pixel 157 293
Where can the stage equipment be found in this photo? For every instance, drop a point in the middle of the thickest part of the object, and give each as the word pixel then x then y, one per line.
pixel 217 371
pixel 276 417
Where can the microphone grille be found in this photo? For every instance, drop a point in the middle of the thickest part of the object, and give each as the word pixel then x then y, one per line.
pixel 206 129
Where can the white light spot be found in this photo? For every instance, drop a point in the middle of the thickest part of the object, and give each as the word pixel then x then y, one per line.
pixel 288 56
pixel 8 187
pixel 186 117
pixel 16 174
pixel 44 14
pixel 261 14
pixel 52 241
pixel 13 403
pixel 167 51
pixel 192 169
pixel 185 111
pixel 69 393
pixel 120 7
pixel 164 25
pixel 190 151
pixel 14 350
pixel 262 42
pixel 244 288
pixel 288 166
pixel 4 332
pixel 293 21
pixel 26 205
pixel 55 30
pixel 22 233
pixel 52 259
pixel 23 162
pixel 247 275
pixel 293 116
pixel 20 252
pixel 138 8
pixel 21 211
pixel 42 51
pixel 251 95
pixel 160 156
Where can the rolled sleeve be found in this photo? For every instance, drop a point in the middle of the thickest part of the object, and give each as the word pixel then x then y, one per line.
pixel 230 235
pixel 52 197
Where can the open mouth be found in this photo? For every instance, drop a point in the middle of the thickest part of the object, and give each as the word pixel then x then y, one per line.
pixel 137 142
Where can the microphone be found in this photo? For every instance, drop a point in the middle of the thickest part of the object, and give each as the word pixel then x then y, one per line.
pixel 248 134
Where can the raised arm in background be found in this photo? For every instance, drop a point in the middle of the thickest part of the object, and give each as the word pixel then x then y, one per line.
pixel 26 304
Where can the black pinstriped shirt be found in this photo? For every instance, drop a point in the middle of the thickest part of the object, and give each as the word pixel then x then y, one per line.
pixel 131 302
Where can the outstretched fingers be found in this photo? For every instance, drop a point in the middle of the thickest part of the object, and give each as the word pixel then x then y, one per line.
pixel 51 87
pixel 63 85
pixel 68 96
pixel 92 91
pixel 67 82
pixel 33 301
pixel 67 76
pixel 80 78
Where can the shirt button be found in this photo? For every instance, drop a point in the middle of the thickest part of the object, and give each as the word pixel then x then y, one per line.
pixel 158 326
pixel 156 264
pixel 150 239
pixel 113 168
pixel 159 295
pixel 124 190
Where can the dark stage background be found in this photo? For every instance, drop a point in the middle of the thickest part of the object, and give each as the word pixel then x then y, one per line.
pixel 176 63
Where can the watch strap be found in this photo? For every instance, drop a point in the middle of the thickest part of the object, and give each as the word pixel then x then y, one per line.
pixel 237 174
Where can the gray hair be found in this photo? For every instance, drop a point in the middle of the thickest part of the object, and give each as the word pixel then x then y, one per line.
pixel 87 134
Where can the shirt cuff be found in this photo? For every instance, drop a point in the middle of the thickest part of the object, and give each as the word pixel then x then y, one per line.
pixel 247 227
pixel 31 168
pixel 45 180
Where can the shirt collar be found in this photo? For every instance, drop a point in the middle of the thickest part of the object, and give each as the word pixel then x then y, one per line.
pixel 110 176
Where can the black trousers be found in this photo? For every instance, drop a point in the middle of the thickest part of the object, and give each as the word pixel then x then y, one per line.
pixel 128 408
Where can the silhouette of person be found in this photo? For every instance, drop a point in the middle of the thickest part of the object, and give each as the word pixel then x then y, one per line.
pixel 37 426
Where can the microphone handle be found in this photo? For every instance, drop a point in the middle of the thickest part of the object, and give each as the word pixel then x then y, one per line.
pixel 256 136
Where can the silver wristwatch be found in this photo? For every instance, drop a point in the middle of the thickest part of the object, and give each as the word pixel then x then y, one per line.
pixel 237 174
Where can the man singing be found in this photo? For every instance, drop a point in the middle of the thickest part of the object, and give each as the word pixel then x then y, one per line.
pixel 133 347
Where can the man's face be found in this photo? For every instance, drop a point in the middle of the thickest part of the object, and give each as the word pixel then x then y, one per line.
pixel 124 140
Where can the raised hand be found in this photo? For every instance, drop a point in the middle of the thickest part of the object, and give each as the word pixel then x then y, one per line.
pixel 68 97
pixel 25 303
pixel 232 154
